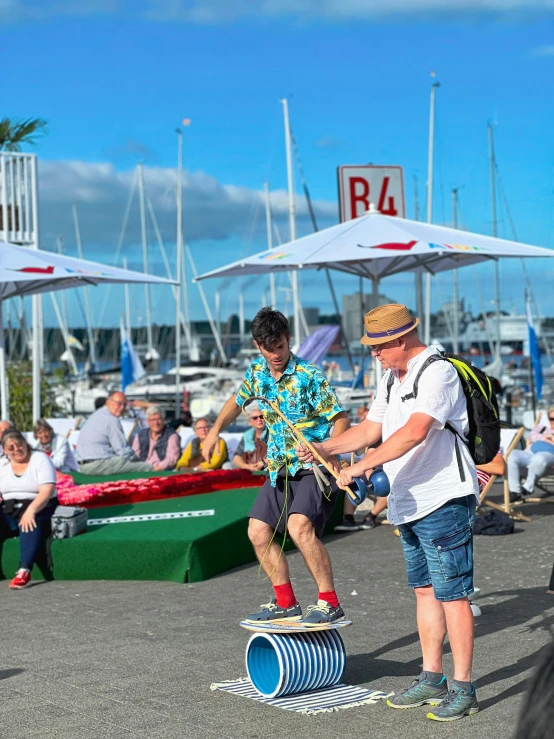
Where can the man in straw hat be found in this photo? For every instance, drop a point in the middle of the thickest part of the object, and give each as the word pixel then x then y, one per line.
pixel 432 500
pixel 291 500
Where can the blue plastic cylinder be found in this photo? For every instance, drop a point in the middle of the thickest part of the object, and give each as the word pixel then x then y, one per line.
pixel 286 664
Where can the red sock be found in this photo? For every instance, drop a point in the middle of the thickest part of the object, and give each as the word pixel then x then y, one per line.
pixel 330 597
pixel 284 595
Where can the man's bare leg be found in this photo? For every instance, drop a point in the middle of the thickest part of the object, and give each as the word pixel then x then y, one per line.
pixel 315 555
pixel 431 626
pixel 460 625
pixel 268 552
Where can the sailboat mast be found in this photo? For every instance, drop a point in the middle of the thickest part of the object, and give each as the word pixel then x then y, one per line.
pixel 430 168
pixel 492 164
pixel 148 306
pixel 455 281
pixel 292 220
pixel 269 243
pixel 179 245
pixel 88 314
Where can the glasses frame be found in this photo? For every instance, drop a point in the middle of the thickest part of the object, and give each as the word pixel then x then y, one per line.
pixel 378 348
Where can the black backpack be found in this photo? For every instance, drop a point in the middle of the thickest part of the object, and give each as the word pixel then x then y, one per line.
pixel 483 440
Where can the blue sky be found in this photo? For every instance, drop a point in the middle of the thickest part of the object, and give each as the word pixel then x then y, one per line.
pixel 115 79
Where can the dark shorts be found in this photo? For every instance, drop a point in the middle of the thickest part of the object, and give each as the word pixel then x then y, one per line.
pixel 438 549
pixel 298 494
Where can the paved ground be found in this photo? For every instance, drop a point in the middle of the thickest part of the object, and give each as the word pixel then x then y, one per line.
pixel 135 660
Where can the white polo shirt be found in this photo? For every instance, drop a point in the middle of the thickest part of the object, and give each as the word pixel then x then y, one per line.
pixel 427 476
pixel 40 471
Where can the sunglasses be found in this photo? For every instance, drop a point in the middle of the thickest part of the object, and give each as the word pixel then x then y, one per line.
pixel 377 349
pixel 256 418
pixel 13 447
pixel 551 418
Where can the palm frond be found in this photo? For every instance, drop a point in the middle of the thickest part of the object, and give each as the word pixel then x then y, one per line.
pixel 14 133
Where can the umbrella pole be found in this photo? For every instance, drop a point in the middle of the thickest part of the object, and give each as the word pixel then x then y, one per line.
pixel 3 378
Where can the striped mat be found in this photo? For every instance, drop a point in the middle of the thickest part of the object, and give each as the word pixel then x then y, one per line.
pixel 324 700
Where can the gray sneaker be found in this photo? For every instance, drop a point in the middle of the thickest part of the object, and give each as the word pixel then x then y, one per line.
pixel 322 613
pixel 272 612
pixel 457 704
pixel 420 692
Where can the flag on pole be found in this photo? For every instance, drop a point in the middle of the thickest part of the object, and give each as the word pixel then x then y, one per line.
pixel 131 366
pixel 534 350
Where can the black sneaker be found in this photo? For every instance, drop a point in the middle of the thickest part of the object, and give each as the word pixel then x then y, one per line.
pixel 515 497
pixel 347 525
pixel 369 522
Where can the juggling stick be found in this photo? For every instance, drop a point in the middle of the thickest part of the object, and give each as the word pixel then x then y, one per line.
pixel 355 496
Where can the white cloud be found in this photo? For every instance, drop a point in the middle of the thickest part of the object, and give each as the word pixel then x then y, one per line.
pixel 222 11
pixel 210 12
pixel 542 51
pixel 212 211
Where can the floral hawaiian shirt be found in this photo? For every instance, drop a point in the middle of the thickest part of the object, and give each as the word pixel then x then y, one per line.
pixel 303 395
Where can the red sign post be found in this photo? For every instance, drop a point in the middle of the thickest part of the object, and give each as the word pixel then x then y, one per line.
pixel 361 185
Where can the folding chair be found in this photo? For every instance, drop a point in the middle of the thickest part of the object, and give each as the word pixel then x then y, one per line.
pixel 509 439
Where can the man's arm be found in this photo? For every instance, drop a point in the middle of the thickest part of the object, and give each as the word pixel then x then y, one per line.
pixel 341 423
pixel 117 439
pixel 343 441
pixel 229 413
pixel 414 431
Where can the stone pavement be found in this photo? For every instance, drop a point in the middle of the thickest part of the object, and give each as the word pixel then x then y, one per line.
pixel 88 660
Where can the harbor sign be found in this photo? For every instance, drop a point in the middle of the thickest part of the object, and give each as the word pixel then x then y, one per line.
pixel 360 186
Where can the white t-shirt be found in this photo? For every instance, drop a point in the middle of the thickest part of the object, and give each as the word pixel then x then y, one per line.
pixel 427 476
pixel 40 471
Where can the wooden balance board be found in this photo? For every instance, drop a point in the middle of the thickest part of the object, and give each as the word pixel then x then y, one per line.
pixel 291 627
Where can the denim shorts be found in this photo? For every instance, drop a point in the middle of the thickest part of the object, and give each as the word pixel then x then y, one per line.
pixel 438 549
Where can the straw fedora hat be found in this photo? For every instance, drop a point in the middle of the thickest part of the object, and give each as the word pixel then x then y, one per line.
pixel 387 322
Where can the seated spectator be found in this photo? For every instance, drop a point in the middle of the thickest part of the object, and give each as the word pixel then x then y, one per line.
pixel 55 446
pixel 102 448
pixel 536 459
pixel 4 426
pixel 28 485
pixel 192 456
pixel 251 452
pixel 157 444
pixel 361 412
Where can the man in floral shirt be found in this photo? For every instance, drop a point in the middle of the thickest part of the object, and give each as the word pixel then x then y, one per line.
pixel 290 500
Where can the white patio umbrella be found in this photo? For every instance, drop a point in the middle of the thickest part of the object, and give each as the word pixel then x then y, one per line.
pixel 26 271
pixel 376 246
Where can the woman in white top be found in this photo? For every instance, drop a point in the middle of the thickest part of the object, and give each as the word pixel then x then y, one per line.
pixel 55 446
pixel 28 490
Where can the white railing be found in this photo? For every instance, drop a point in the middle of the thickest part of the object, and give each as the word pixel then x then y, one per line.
pixel 18 198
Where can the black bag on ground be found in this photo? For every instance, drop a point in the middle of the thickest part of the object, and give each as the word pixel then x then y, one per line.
pixel 493 523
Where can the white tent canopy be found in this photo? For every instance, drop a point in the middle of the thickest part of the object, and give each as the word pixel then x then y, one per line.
pixel 25 271
pixel 375 246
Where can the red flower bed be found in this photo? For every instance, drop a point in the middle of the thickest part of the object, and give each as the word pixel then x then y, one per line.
pixel 151 488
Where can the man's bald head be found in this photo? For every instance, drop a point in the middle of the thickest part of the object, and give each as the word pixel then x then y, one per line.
pixel 116 403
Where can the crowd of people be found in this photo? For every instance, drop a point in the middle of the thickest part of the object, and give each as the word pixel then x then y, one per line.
pixel 434 482
pixel 28 467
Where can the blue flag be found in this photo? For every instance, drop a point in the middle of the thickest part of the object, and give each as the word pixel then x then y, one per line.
pixel 534 351
pixel 131 366
pixel 315 347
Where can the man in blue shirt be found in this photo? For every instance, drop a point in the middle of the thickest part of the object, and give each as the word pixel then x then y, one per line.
pixel 290 500
pixel 102 448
